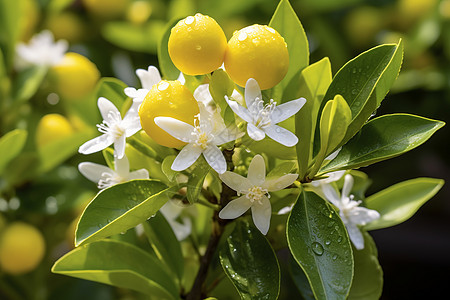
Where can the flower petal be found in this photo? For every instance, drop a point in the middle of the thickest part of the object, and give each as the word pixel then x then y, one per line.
pixel 148 78
pixel 181 230
pixel 215 159
pixel 348 185
pixel 93 171
pixel 355 236
pixel 176 128
pixel 255 133
pixel 187 156
pixel 331 195
pixel 122 166
pixel 181 78
pixel 106 107
pixel 139 174
pixel 281 135
pixel 202 94
pixel 241 111
pixel 362 215
pixel 252 92
pixel 261 214
pixel 235 208
pixel 235 181
pixel 287 109
pixel 257 171
pixel 119 146
pixel 96 144
pixel 279 183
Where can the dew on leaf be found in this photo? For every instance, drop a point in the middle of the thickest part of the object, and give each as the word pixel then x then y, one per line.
pixel 317 248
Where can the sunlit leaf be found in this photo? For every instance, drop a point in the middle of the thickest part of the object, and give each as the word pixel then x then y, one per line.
pixel 27 83
pixel 168 69
pixel 11 144
pixel 196 179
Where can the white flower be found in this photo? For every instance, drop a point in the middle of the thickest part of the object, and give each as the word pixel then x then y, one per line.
pixel 255 189
pixel 42 50
pixel 114 129
pixel 106 177
pixel 351 214
pixel 262 119
pixel 172 212
pixel 148 78
pixel 208 132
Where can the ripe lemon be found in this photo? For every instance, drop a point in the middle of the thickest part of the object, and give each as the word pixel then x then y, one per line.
pixel 22 248
pixel 197 45
pixel 74 77
pixel 167 99
pixel 258 52
pixel 106 9
pixel 52 127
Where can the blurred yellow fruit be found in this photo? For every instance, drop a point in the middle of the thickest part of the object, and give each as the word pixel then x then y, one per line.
pixel 259 52
pixel 52 127
pixel 167 99
pixel 197 45
pixel 362 25
pixel 22 248
pixel 67 26
pixel 139 11
pixel 74 77
pixel 29 19
pixel 106 9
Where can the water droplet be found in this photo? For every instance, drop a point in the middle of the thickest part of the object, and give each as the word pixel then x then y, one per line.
pixel 327 243
pixel 359 70
pixel 278 130
pixel 354 71
pixel 271 29
pixel 256 42
pixel 339 239
pixel 242 36
pixel 334 257
pixel 198 47
pixel 330 224
pixel 317 248
pixel 163 85
pixel 189 20
pixel 354 92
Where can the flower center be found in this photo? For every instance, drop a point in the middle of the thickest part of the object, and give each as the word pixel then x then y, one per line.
pixel 262 113
pixel 109 179
pixel 349 205
pixel 202 137
pixel 256 193
pixel 112 126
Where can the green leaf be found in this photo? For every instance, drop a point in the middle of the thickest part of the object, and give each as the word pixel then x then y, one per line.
pixel 250 263
pixel 284 168
pixel 10 18
pixel 119 208
pixel 165 243
pixel 300 280
pixel 383 138
pixel 112 89
pixel 168 69
pixel 399 202
pixel 219 86
pixel 118 264
pixel 56 6
pixel 364 82
pixel 27 83
pixel 166 167
pixel 368 279
pixel 11 144
pixel 272 148
pixel 319 243
pixel 313 84
pixel 196 179
pixel 286 22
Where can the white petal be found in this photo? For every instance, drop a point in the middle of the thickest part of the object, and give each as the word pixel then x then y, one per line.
pixel 348 185
pixel 131 92
pixel 137 95
pixel 171 210
pixel 261 214
pixel 181 230
pixel 181 78
pixel 139 174
pixel 252 92
pixel 131 122
pixel 97 144
pixel 281 135
pixel 215 159
pixel 122 166
pixel 332 176
pixel 176 128
pixel 148 78
pixel 279 183
pixel 187 156
pixel 235 181
pixel 241 111
pixel 205 118
pixel 226 135
pixel 355 236
pixel 235 208
pixel 331 195
pixel 106 107
pixel 237 96
pixel 334 154
pixel 202 94
pixel 254 132
pixel 287 109
pixel 362 215
pixel 93 171
pixel 257 171
pixel 119 146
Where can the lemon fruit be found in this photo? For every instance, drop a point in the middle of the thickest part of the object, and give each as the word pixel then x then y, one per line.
pixel 22 248
pixel 259 52
pixel 68 26
pixel 106 9
pixel 74 77
pixel 167 99
pixel 51 128
pixel 197 45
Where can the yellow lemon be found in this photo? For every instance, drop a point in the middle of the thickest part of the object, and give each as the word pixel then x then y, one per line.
pixel 197 45
pixel 68 26
pixel 22 248
pixel 106 9
pixel 259 52
pixel 167 99
pixel 74 77
pixel 52 127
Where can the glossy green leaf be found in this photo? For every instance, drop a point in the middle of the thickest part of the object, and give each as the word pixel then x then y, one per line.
pixel 250 263
pixel 300 280
pixel 383 138
pixel 272 148
pixel 119 264
pixel 219 86
pixel 196 179
pixel 11 144
pixel 319 243
pixel 399 202
pixel 27 83
pixel 165 243
pixel 167 68
pixel 286 22
pixel 364 82
pixel 313 84
pixel 283 168
pixel 119 208
pixel 368 279
pixel 112 89
pixel 166 167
